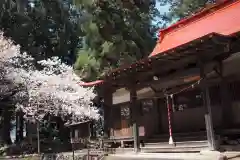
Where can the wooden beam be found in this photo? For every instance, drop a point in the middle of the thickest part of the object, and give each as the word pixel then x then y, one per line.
pixel 164 79
pixel 179 77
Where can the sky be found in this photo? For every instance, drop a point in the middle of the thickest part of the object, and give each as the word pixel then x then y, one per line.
pixel 165 9
pixel 162 8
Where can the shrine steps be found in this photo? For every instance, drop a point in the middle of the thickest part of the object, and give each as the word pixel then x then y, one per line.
pixel 165 147
pixel 159 143
pixel 183 142
pixel 186 146
pixel 178 137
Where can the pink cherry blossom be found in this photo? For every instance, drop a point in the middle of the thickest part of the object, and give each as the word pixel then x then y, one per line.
pixel 52 90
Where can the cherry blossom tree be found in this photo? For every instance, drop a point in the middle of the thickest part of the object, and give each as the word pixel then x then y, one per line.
pixel 7 90
pixel 7 49
pixel 48 87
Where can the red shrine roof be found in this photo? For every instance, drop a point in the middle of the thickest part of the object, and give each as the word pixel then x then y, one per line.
pixel 223 18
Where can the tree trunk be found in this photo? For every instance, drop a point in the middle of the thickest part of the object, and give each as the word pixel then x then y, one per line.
pixel 63 131
pixel 6 126
pixel 21 126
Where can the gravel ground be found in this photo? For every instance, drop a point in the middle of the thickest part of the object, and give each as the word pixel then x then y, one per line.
pixel 167 156
pixel 151 156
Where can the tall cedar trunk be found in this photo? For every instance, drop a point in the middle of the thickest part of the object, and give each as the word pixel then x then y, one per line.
pixel 6 126
pixel 63 131
pixel 19 126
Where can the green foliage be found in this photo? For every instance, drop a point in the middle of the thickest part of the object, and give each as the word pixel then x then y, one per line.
pixel 43 28
pixel 183 8
pixel 115 33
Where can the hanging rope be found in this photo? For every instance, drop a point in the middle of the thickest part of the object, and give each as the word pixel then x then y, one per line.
pixel 169 120
pixel 170 105
pixel 173 105
pixel 193 85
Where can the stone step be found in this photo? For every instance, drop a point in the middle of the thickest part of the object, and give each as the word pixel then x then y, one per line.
pixel 184 134
pixel 176 138
pixel 163 149
pixel 165 156
pixel 173 149
pixel 186 144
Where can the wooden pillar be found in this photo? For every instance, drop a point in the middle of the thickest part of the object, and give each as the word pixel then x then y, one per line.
pixel 134 117
pixel 226 102
pixel 162 110
pixel 208 112
pixel 105 121
pixel 172 110
pixel 157 115
pixel 107 111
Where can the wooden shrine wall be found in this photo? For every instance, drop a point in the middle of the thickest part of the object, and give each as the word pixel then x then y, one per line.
pixel 191 118
pixel 121 120
pixel 188 114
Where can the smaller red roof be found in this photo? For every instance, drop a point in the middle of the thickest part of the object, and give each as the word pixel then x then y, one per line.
pixel 94 83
